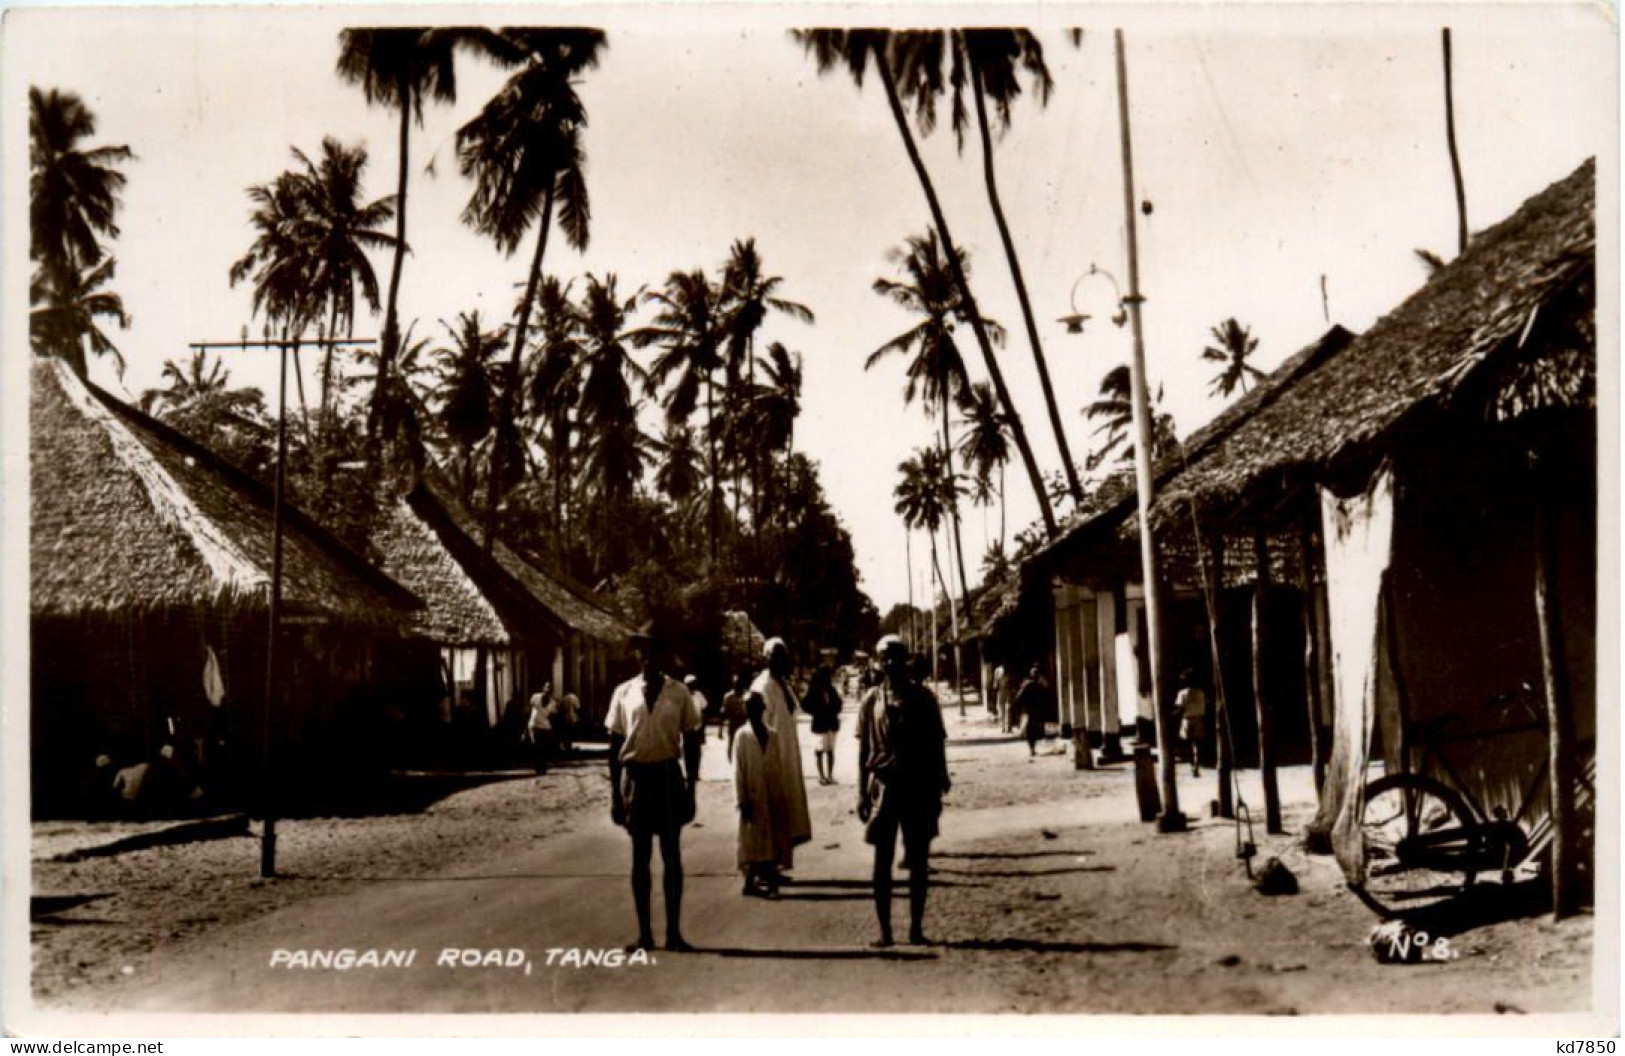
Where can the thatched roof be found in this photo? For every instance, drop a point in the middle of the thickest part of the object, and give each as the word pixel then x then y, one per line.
pixel 456 611
pixel 1112 506
pixel 521 588
pixel 127 514
pixel 1483 305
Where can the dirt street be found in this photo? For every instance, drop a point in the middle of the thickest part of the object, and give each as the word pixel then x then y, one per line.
pixel 1049 896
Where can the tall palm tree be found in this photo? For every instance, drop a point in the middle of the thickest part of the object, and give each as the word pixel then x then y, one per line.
pixel 937 371
pixel 985 444
pixel 748 295
pixel 925 494
pixel 340 228
pixel 67 305
pixel 397 407
pixel 854 50
pixel 73 190
pixel 616 451
pixel 775 406
pixel 555 386
pixel 523 151
pixel 309 254
pixel 691 331
pixel 465 392
pixel 73 201
pixel 1232 345
pixel 398 68
pixel 990 63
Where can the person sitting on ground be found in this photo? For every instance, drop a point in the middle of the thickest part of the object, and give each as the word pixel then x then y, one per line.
pixel 1191 707
pixel 1035 701
pixel 903 775
pixel 823 704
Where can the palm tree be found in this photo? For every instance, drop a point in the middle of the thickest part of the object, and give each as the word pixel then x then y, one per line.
pixel 774 408
pixel 1232 344
pixel 854 50
pixel 1117 414
pixel 73 191
pixel 465 392
pixel 73 200
pixel 925 494
pixel 397 68
pixel 985 444
pixel 937 371
pixel 397 407
pixel 67 305
pixel 679 475
pixel 555 386
pixel 990 62
pixel 339 229
pixel 199 400
pixel 689 327
pixel 616 450
pixel 310 248
pixel 748 295
pixel 523 151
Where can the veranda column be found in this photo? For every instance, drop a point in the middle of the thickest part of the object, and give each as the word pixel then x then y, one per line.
pixel 1111 724
pixel 1266 735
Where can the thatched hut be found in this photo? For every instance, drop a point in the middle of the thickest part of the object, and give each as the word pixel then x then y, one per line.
pixel 1441 474
pixel 553 630
pixel 149 591
pixel 1076 605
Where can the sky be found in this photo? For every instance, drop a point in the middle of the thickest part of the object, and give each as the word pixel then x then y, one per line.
pixel 1274 145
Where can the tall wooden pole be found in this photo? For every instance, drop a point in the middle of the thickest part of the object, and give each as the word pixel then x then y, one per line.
pixel 1172 819
pixel 1311 645
pixel 1455 158
pixel 1266 733
pixel 1559 717
pixel 272 682
pixel 1213 572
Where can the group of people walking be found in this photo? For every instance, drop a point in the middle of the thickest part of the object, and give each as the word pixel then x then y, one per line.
pixel 656 731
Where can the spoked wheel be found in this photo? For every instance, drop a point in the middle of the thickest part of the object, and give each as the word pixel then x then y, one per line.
pixel 1420 844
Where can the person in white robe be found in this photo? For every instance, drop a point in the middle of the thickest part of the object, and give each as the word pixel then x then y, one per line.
pixel 758 856
pixel 786 789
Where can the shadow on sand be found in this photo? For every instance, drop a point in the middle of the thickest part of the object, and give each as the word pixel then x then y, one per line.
pixel 1012 945
pixel 867 954
pixel 1482 905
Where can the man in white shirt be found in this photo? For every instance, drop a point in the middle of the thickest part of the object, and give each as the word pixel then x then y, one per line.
pixel 654 766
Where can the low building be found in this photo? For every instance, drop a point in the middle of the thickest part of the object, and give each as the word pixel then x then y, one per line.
pixel 150 573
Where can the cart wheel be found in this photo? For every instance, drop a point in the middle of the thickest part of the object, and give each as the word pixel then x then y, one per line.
pixel 1401 877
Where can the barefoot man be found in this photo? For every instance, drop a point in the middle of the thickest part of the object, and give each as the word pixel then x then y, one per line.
pixel 903 775
pixel 654 764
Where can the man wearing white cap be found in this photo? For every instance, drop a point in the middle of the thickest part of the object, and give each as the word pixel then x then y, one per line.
pixel 791 822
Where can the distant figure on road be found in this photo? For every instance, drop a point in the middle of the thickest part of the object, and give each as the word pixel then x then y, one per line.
pixel 1001 698
pixel 786 788
pixel 1191 704
pixel 692 684
pixel 903 775
pixel 654 767
pixel 823 703
pixel 1036 702
pixel 762 845
pixel 544 708
pixel 733 709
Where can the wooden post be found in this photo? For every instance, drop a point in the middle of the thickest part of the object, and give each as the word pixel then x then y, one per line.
pixel 1559 719
pixel 1311 646
pixel 1214 570
pixel 1266 739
